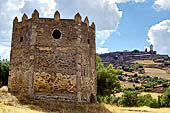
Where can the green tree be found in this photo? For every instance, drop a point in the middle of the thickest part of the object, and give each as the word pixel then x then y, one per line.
pixel 165 98
pixel 4 72
pixel 107 82
pixel 135 51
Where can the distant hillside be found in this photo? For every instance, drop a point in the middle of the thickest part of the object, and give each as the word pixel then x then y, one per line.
pixel 128 57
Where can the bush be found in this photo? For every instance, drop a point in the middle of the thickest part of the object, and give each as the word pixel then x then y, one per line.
pixel 166 84
pixel 129 98
pixel 135 75
pixel 154 104
pixel 127 68
pixel 145 100
pixel 113 100
pixel 165 98
pixel 130 79
pixel 121 78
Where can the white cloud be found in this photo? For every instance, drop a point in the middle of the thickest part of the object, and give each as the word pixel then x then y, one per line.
pixel 11 8
pixel 102 42
pixel 124 1
pixel 103 35
pixel 159 36
pixel 102 50
pixel 4 51
pixel 104 13
pixel 162 4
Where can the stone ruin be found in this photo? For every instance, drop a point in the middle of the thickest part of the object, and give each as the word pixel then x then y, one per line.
pixel 53 59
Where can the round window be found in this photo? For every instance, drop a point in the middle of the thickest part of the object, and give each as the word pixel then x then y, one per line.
pixel 56 34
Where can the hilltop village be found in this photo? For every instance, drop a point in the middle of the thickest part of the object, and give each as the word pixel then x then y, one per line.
pixel 128 57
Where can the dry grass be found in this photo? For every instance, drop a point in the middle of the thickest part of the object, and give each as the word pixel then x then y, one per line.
pixel 109 108
pixel 56 107
pixel 129 73
pixel 136 109
pixel 146 62
pixel 13 109
pixel 154 72
pixel 127 84
pixel 154 95
pixel 10 104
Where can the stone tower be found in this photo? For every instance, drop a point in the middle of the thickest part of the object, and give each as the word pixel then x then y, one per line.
pixel 151 48
pixel 53 59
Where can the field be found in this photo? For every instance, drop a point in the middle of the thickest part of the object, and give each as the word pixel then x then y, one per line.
pixel 146 62
pixel 157 72
pixel 129 84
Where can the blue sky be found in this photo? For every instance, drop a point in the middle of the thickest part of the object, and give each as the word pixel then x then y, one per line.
pixel 121 24
pixel 132 32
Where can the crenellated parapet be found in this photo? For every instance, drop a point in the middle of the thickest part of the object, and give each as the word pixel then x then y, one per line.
pixel 35 16
pixel 57 16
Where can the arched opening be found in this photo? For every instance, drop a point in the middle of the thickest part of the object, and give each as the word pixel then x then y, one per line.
pixel 88 40
pixel 56 34
pixel 92 98
pixel 21 39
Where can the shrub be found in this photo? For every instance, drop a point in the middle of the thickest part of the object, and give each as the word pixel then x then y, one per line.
pixel 135 75
pixel 154 104
pixel 145 100
pixel 165 98
pixel 165 84
pixel 121 78
pixel 129 98
pixel 113 100
pixel 130 79
pixel 136 80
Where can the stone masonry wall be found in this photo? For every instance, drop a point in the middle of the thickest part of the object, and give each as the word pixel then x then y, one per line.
pixel 46 68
